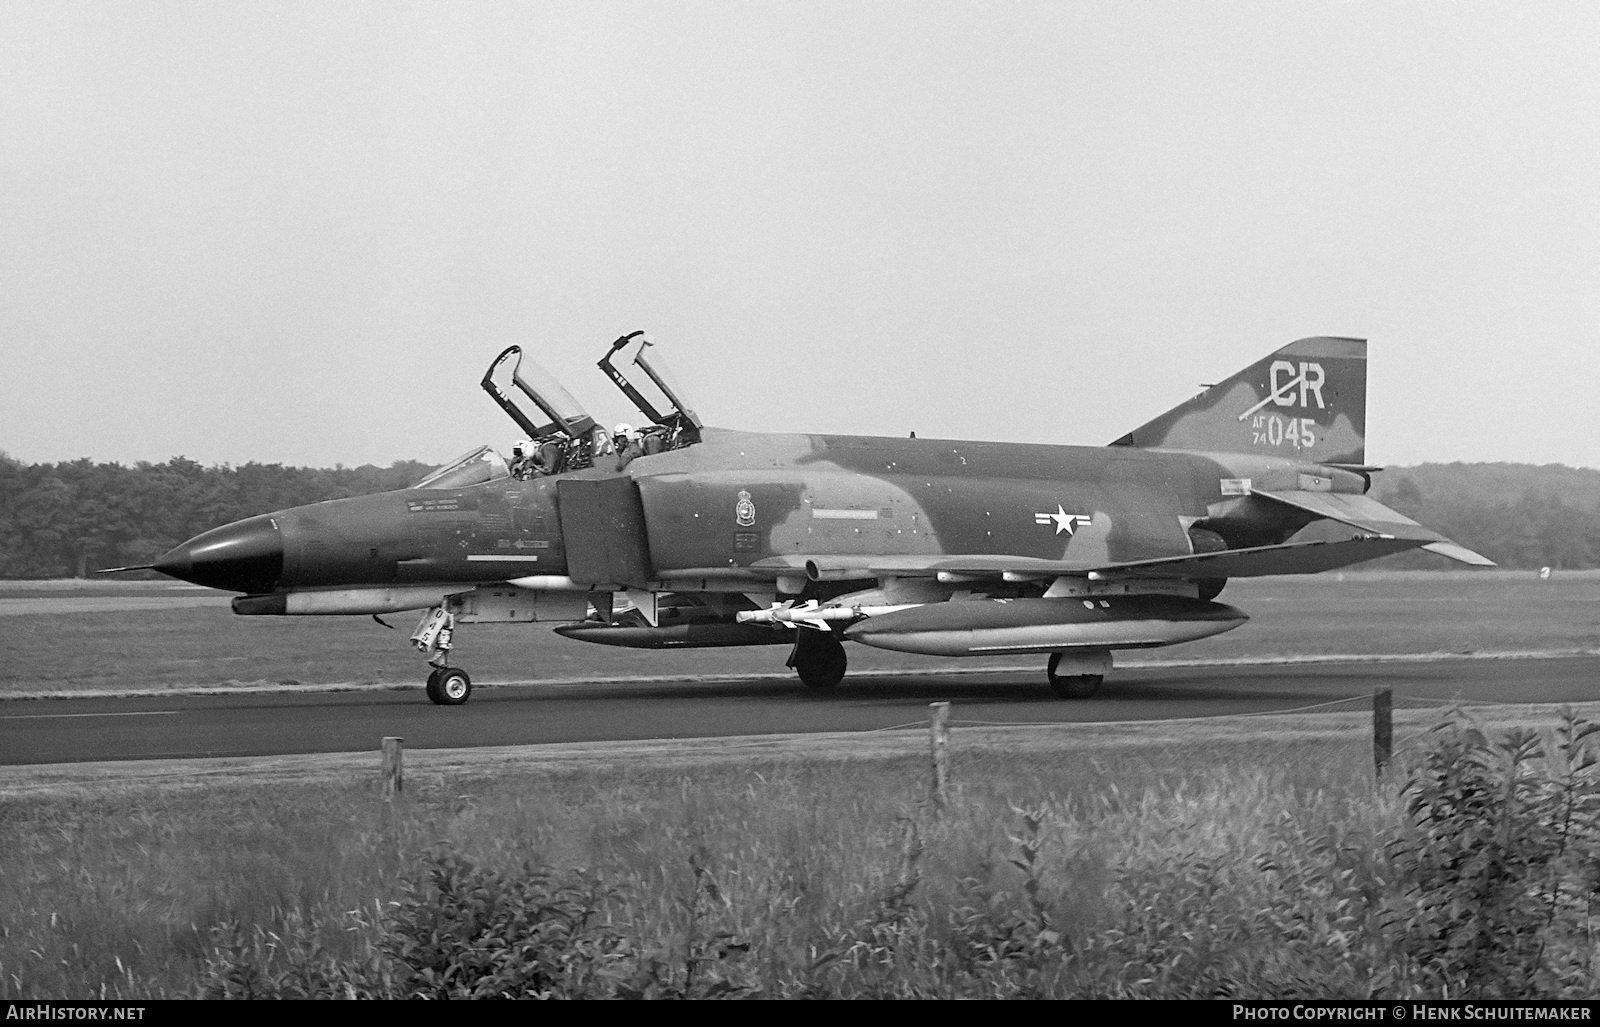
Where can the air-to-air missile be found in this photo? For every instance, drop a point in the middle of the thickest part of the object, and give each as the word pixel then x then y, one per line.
pixel 679 535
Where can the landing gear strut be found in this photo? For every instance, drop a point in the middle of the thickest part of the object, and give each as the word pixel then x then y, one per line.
pixel 818 658
pixel 447 686
pixel 1077 676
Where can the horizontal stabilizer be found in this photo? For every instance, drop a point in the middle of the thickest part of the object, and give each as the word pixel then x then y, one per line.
pixel 1357 511
pixel 1369 515
pixel 1460 553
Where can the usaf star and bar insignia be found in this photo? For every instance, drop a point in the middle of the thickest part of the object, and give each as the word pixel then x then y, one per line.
pixel 1069 523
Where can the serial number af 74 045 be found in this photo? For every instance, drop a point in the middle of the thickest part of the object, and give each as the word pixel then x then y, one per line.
pixel 1276 431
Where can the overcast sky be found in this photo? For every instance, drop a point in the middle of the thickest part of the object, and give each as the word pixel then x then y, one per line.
pixel 298 232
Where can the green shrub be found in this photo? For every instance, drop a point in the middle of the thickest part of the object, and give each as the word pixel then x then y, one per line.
pixel 468 931
pixel 1500 862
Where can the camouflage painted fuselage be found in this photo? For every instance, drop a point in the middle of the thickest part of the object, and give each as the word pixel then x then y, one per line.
pixel 753 507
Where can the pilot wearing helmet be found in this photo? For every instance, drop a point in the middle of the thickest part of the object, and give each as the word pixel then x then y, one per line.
pixel 626 442
pixel 523 458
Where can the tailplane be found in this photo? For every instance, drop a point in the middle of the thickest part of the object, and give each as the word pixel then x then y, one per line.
pixel 1306 401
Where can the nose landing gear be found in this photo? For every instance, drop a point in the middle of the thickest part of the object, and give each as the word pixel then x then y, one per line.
pixel 447 686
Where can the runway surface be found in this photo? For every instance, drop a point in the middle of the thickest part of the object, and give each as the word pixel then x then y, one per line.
pixel 46 731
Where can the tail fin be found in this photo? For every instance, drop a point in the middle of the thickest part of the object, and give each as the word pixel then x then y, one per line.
pixel 1307 401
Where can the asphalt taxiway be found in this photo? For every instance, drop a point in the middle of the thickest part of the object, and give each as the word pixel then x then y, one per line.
pixel 52 731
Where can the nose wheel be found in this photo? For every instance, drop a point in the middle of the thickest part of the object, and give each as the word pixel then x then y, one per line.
pixel 449 686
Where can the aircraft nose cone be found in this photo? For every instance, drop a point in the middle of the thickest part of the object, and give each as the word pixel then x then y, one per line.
pixel 245 556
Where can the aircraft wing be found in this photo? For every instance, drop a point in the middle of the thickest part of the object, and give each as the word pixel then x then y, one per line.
pixel 1350 529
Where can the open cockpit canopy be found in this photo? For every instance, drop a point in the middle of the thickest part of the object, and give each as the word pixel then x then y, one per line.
pixel 652 388
pixel 560 435
pixel 561 414
pixel 563 437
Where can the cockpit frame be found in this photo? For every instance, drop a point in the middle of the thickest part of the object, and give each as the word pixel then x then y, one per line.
pixel 555 402
pixel 680 425
pixel 569 442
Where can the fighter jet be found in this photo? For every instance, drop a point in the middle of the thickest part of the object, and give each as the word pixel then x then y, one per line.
pixel 680 535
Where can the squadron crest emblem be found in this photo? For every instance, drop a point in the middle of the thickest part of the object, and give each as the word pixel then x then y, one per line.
pixel 745 513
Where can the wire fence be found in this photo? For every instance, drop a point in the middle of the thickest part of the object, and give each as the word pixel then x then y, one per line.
pixel 1319 747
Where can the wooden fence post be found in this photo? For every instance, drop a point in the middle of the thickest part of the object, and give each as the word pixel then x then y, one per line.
pixel 393 772
pixel 1382 728
pixel 939 738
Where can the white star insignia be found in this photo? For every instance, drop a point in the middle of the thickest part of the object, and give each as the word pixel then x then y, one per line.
pixel 1063 521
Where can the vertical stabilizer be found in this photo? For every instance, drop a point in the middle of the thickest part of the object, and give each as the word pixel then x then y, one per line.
pixel 1306 401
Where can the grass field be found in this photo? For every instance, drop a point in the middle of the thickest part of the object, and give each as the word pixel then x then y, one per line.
pixel 1073 860
pixel 140 643
pixel 1253 857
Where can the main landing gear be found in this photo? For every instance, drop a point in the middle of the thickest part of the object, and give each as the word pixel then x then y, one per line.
pixel 447 686
pixel 1075 676
pixel 819 658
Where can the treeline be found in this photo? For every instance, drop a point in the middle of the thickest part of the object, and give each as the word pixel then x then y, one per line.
pixel 55 518
pixel 1518 515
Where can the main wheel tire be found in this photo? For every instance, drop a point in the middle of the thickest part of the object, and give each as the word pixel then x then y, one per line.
pixel 452 688
pixel 819 659
pixel 1072 686
pixel 1076 686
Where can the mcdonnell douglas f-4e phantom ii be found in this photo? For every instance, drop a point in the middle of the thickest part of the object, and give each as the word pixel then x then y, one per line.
pixel 687 536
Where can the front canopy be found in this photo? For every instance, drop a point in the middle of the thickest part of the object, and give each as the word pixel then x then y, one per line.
pixel 474 468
